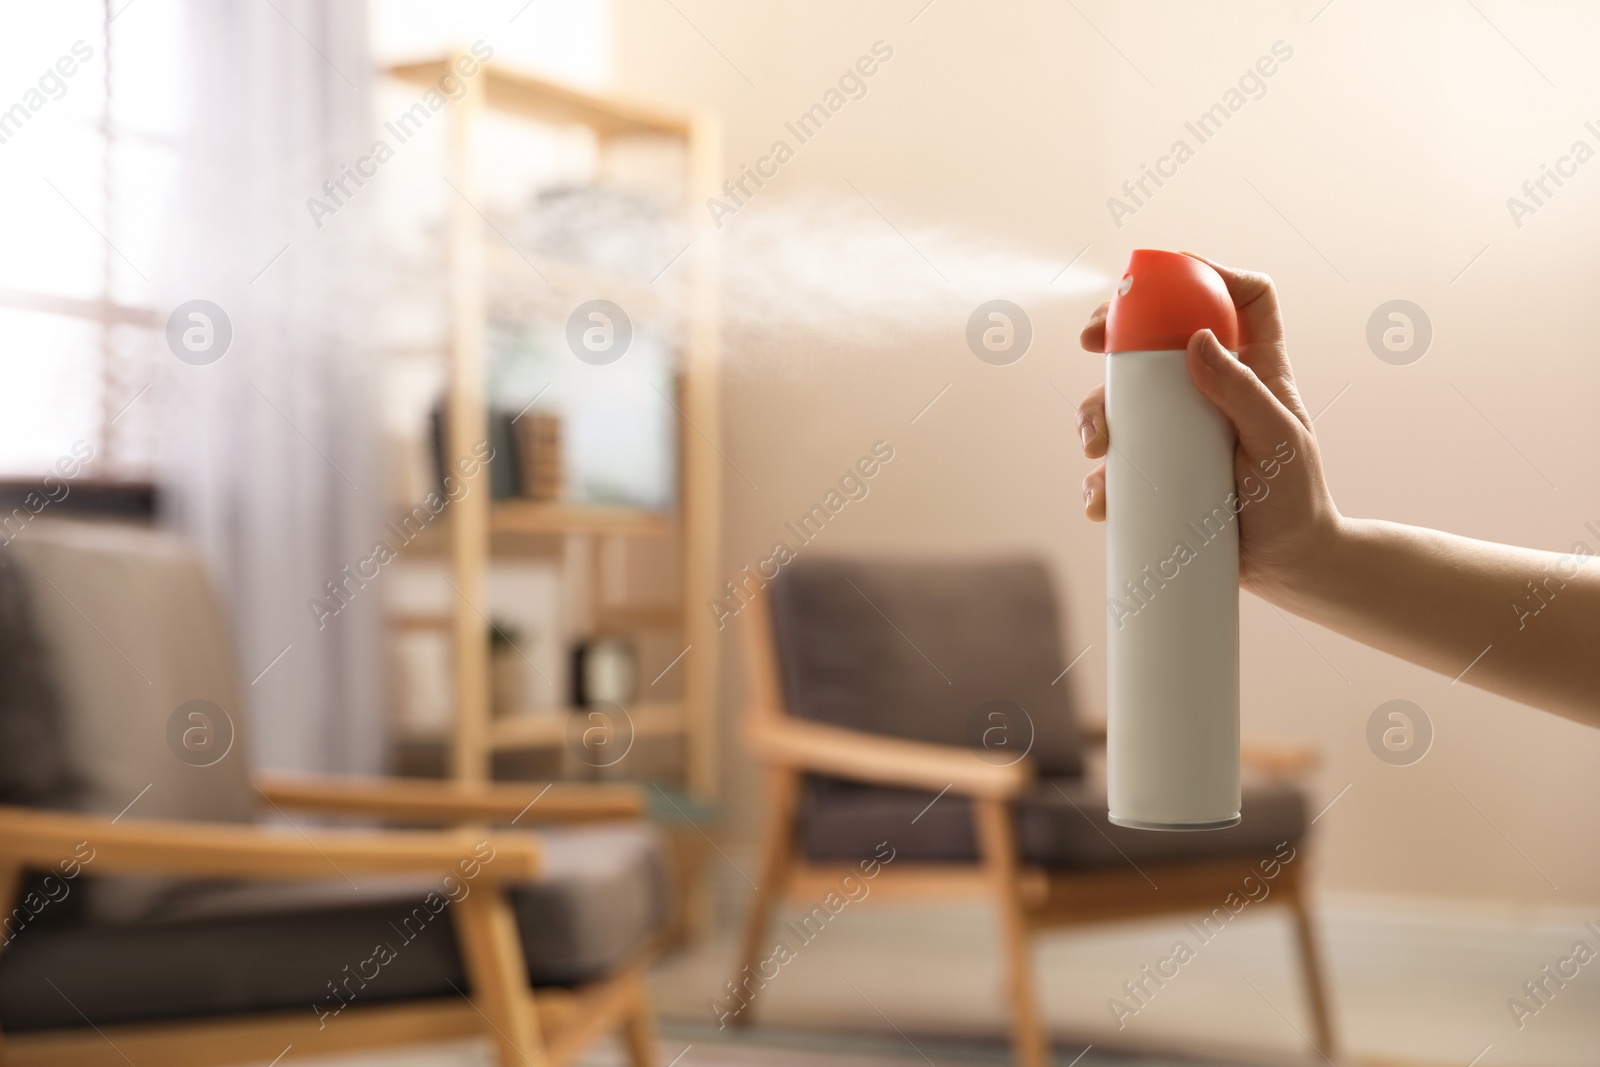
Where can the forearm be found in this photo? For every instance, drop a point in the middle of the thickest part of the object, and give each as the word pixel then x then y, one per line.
pixel 1515 621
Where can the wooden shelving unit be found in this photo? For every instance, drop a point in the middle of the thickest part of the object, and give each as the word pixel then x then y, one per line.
pixel 479 527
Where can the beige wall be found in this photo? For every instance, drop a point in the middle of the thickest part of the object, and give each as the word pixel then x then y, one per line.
pixel 1390 142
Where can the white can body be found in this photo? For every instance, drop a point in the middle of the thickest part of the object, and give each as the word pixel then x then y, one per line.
pixel 1172 589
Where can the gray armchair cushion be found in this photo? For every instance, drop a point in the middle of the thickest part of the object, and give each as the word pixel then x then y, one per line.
pixel 215 950
pixel 1061 824
pixel 918 650
pixel 133 631
pixel 33 753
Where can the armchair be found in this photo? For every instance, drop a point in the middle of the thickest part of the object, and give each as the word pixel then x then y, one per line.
pixel 864 681
pixel 177 929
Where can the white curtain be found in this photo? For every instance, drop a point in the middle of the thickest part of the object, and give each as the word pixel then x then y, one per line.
pixel 272 455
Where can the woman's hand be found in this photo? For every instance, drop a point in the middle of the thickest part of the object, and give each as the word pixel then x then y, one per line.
pixel 1515 621
pixel 1282 532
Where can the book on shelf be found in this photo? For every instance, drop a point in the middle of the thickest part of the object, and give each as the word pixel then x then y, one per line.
pixel 504 477
pixel 538 446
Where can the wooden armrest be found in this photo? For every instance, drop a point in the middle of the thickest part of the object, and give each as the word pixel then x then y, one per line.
pixel 36 838
pixel 1271 756
pixel 865 757
pixel 1277 757
pixel 429 801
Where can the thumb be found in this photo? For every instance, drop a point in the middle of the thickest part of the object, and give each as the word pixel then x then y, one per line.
pixel 1259 418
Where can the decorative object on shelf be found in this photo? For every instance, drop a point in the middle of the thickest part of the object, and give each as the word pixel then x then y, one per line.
pixel 609 228
pixel 538 440
pixel 604 671
pixel 507 670
pixel 423 682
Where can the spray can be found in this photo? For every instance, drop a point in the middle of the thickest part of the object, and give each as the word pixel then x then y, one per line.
pixel 1172 556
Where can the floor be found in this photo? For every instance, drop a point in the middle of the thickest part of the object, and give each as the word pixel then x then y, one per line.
pixel 779 1050
pixel 1413 985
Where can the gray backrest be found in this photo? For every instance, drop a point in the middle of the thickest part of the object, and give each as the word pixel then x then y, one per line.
pixel 957 653
pixel 132 632
pixel 34 771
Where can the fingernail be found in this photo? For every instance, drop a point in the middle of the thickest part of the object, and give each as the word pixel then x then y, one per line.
pixel 1088 494
pixel 1086 433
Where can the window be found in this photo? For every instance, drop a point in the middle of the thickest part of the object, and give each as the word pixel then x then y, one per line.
pixel 89 124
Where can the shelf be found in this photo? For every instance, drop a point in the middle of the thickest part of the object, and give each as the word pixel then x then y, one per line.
pixel 533 517
pixel 548 729
pixel 532 97
pixel 530 528
pixel 638 617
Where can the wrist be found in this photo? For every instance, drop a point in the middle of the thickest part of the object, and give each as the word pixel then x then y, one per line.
pixel 1322 567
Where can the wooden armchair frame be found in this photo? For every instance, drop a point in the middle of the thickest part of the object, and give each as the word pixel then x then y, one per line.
pixel 530 1027
pixel 1030 900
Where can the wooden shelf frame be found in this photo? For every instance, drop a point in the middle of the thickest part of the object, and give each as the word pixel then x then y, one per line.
pixel 476 522
pixel 554 103
pixel 549 729
pixel 532 516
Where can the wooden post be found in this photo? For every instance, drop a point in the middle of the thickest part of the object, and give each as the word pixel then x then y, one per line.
pixel 1311 966
pixel 491 948
pixel 998 848
pixel 700 485
pixel 10 889
pixel 468 429
pixel 638 1030
pixel 777 850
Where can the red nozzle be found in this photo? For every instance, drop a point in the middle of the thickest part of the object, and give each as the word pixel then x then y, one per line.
pixel 1163 298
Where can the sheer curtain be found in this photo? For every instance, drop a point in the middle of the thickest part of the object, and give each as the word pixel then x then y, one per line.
pixel 272 454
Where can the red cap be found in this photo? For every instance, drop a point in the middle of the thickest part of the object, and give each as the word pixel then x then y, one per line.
pixel 1164 297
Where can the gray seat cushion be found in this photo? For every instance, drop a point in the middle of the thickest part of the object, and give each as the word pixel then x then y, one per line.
pixel 1061 824
pixel 212 950
pixel 925 650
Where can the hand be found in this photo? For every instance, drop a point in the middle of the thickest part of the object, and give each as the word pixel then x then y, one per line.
pixel 1282 532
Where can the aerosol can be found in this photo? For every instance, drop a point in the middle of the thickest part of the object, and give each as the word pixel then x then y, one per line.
pixel 1172 555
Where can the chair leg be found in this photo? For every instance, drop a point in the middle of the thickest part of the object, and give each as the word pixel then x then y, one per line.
pixel 1315 973
pixel 491 948
pixel 777 849
pixel 639 1029
pixel 997 843
pixel 10 889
